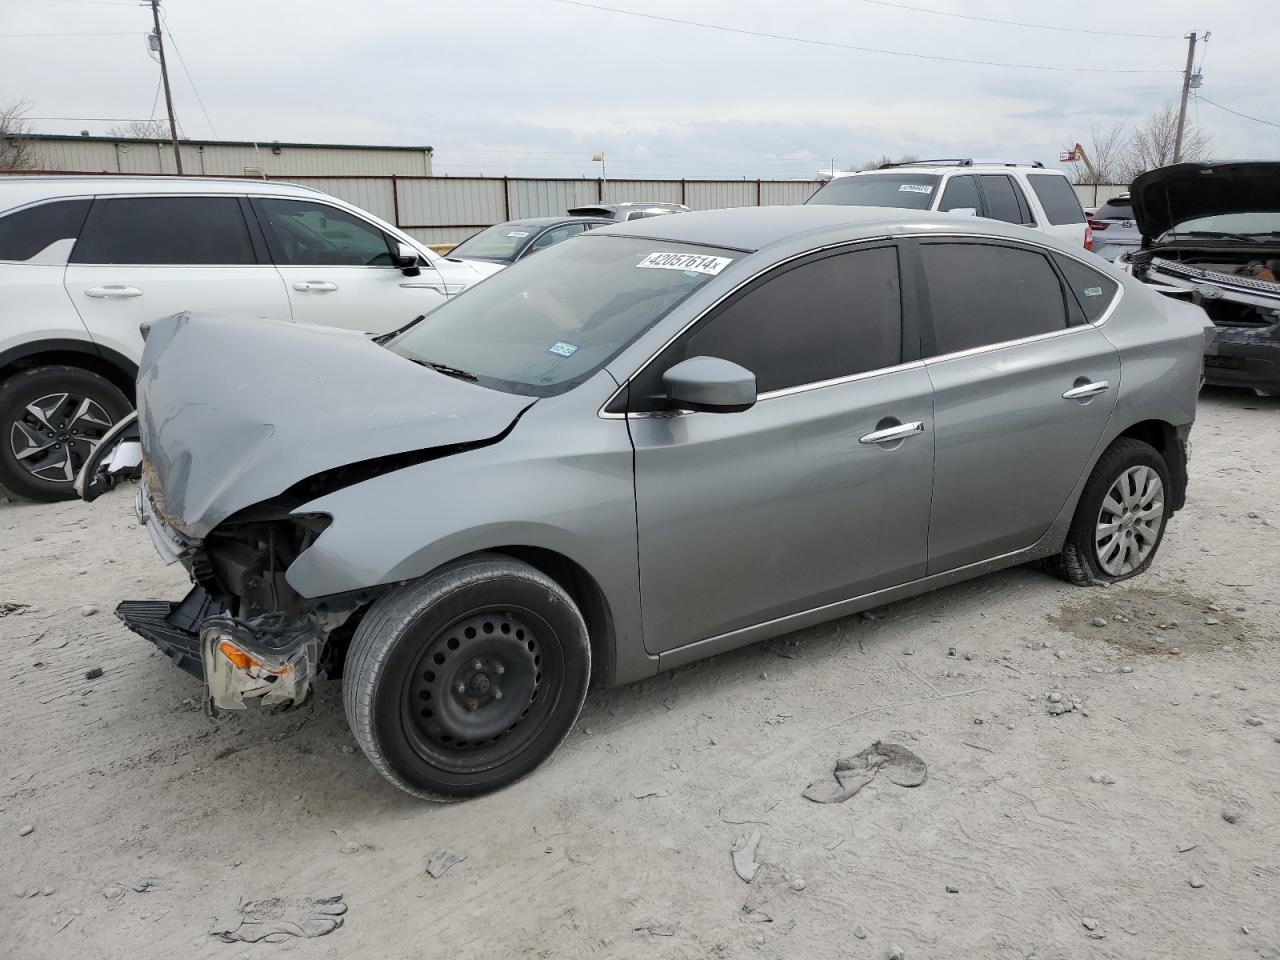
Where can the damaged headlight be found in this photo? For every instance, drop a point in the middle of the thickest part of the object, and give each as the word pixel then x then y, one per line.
pixel 267 657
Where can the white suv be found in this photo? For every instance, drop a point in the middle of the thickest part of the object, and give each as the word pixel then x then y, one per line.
pixel 85 260
pixel 1023 193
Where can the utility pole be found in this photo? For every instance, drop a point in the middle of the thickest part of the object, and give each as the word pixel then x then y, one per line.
pixel 1186 87
pixel 168 96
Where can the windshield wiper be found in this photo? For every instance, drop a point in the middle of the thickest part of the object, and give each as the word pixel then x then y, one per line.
pixel 449 371
pixel 1217 235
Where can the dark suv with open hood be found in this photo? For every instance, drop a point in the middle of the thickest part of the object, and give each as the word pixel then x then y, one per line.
pixel 1211 236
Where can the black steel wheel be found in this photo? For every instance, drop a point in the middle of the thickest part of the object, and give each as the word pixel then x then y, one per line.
pixel 464 681
pixel 51 420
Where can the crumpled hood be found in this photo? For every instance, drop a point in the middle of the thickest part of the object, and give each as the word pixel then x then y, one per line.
pixel 235 410
pixel 1167 196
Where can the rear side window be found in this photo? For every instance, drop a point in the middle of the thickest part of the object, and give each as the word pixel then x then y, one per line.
pixel 1004 200
pixel 983 294
pixel 206 231
pixel 1061 205
pixel 961 192
pixel 821 320
pixel 1093 290
pixel 28 232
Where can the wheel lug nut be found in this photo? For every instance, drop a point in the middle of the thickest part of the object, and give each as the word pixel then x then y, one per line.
pixel 499 669
pixel 460 688
pixel 497 694
pixel 477 665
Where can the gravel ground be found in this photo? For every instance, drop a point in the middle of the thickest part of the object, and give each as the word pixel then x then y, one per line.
pixel 1093 791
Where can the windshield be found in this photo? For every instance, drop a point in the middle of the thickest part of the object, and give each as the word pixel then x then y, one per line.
pixel 502 242
pixel 908 191
pixel 1262 224
pixel 549 322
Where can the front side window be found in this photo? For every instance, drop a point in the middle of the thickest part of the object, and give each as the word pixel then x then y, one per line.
pixel 1002 201
pixel 501 243
pixel 25 234
pixel 200 231
pixel 828 318
pixel 307 234
pixel 906 191
pixel 549 322
pixel 961 193
pixel 983 294
pixel 551 237
pixel 1061 205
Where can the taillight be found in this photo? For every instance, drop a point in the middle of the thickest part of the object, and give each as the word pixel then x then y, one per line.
pixel 1098 224
pixel 1088 236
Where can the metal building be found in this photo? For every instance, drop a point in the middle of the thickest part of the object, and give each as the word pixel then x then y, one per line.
pixel 226 158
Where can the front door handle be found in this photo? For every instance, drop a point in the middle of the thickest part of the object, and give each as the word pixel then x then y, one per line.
pixel 112 291
pixel 893 434
pixel 1086 390
pixel 319 286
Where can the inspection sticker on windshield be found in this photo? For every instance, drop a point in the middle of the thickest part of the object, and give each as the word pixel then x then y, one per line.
pixel 915 188
pixel 517 233
pixel 562 349
pixel 1093 291
pixel 694 262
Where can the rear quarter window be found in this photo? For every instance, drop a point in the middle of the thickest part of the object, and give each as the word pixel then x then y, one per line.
pixel 26 233
pixel 1094 291
pixel 1061 205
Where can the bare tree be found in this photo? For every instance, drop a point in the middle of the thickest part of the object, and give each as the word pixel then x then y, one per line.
pixel 1106 148
pixel 1152 143
pixel 141 130
pixel 15 145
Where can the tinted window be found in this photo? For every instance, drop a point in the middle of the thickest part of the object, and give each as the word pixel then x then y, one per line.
pixel 166 230
pixel 27 232
pixel 961 192
pixel 821 320
pixel 501 242
pixel 1002 202
pixel 1061 205
pixel 1092 289
pixel 546 323
pixel 908 191
pixel 554 236
pixel 983 294
pixel 307 234
pixel 1115 210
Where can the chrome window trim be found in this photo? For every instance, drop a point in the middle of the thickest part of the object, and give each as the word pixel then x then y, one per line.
pixel 800 388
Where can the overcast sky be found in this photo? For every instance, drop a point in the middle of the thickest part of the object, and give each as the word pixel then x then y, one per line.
pixel 535 87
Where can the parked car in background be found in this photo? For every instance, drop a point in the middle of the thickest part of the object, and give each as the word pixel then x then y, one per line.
pixel 1115 232
pixel 85 260
pixel 649 445
pixel 631 210
pixel 1021 193
pixel 1211 236
pixel 505 243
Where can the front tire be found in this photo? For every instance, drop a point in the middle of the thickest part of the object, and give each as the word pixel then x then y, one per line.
pixel 464 681
pixel 51 419
pixel 1120 520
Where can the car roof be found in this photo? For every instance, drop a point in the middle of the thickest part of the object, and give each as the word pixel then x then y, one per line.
pixel 18 190
pixel 541 222
pixel 941 168
pixel 750 229
pixel 629 204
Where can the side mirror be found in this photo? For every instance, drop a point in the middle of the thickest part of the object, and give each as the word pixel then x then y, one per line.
pixel 710 384
pixel 407 259
pixel 964 211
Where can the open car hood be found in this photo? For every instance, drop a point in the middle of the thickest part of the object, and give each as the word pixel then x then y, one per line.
pixel 1167 196
pixel 233 411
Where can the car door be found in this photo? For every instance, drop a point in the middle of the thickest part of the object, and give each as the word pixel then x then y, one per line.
pixel 792 504
pixel 1023 388
pixel 139 258
pixel 338 270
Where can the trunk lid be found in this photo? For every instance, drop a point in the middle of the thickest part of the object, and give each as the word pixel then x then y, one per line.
pixel 1167 196
pixel 234 410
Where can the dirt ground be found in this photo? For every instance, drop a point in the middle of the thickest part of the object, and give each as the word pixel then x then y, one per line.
pixel 1101 831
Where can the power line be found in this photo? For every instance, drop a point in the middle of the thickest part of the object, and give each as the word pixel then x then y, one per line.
pixel 848 46
pixel 1021 23
pixel 108 33
pixel 95 119
pixel 182 60
pixel 105 3
pixel 1246 116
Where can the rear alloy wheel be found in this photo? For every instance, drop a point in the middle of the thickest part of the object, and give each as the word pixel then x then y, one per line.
pixel 51 420
pixel 1120 519
pixel 464 681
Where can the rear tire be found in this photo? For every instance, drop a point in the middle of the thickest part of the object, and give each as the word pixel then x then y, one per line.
pixel 466 680
pixel 51 418
pixel 1120 520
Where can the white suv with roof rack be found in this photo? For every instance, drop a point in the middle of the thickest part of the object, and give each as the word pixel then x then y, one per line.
pixel 85 260
pixel 1022 193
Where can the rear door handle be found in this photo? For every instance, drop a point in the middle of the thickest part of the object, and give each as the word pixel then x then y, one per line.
pixel 112 291
pixel 1086 390
pixel 320 286
pixel 892 434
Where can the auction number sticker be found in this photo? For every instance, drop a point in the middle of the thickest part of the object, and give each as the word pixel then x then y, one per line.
pixel 1093 291
pixel 692 262
pixel 562 349
pixel 915 188
pixel 517 233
